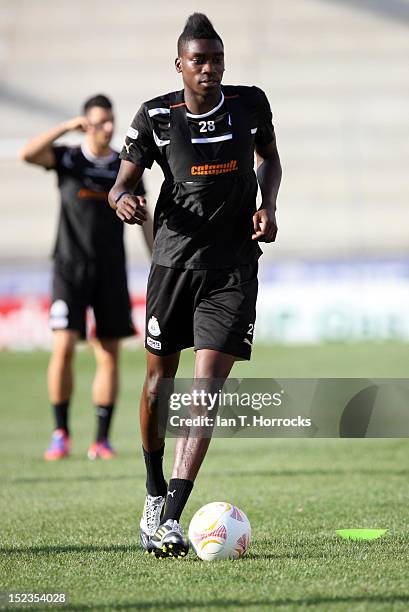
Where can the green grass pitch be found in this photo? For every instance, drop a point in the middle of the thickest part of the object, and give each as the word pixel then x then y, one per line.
pixel 73 526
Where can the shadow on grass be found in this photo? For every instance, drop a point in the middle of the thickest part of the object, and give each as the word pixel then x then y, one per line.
pixel 230 474
pixel 305 552
pixel 314 472
pixel 248 604
pixel 60 479
pixel 131 548
pixel 69 548
pixel 290 555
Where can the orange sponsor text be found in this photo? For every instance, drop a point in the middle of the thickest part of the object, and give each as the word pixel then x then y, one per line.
pixel 207 169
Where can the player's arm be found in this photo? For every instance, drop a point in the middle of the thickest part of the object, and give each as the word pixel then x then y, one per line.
pixel 39 150
pixel 129 208
pixel 269 174
pixel 147 229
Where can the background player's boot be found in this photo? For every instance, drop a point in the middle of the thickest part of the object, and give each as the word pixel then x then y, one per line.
pixel 150 521
pixel 169 541
pixel 59 446
pixel 101 450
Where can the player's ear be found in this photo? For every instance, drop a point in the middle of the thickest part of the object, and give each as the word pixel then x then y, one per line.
pixel 178 64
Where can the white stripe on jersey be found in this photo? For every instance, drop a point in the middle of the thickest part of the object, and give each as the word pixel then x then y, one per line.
pixel 253 130
pixel 158 141
pixel 210 112
pixel 212 139
pixel 158 111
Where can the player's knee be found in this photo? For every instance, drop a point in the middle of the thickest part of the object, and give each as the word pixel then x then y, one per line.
pixel 107 361
pixel 155 383
pixel 152 383
pixel 106 355
pixel 106 350
pixel 63 353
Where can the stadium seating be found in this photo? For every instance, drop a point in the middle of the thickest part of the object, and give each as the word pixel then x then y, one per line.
pixel 335 74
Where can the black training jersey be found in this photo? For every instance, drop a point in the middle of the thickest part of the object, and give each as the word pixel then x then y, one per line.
pixel 203 217
pixel 88 229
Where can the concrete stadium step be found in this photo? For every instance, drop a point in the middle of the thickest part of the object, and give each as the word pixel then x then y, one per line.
pixel 335 75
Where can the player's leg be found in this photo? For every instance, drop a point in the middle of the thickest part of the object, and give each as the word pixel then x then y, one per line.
pixel 104 394
pixel 224 322
pixel 113 318
pixel 60 385
pixel 157 369
pixel 67 320
pixel 153 444
pixel 171 298
pixel 211 369
pixel 223 328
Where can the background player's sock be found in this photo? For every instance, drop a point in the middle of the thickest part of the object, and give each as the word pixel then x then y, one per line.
pixel 155 480
pixel 61 416
pixel 104 416
pixel 178 494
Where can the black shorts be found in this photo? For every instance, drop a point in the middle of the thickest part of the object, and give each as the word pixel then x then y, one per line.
pixel 79 285
pixel 206 309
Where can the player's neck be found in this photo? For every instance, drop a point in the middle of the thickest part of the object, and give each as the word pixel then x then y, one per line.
pixel 199 104
pixel 98 151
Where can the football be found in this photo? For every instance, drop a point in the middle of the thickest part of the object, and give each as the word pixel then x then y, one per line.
pixel 219 530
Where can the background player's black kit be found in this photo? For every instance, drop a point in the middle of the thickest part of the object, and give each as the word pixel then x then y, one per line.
pixel 89 254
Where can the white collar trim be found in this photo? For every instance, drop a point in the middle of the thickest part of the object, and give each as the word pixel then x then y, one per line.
pixel 106 159
pixel 210 112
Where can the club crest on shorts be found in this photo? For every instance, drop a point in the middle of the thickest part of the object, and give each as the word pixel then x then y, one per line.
pixel 153 327
pixel 59 315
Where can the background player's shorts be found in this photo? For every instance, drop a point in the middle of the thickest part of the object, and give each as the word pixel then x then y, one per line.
pixel 207 309
pixel 77 285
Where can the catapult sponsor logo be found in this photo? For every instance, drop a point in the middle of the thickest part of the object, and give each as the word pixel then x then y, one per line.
pixel 211 169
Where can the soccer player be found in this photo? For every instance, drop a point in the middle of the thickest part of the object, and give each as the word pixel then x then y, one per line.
pixel 202 285
pixel 89 267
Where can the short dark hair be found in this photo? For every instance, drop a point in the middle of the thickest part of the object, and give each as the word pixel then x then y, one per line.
pixel 98 100
pixel 197 26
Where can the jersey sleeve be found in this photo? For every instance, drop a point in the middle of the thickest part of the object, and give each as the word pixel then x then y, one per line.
pixel 265 129
pixel 139 147
pixel 59 152
pixel 140 189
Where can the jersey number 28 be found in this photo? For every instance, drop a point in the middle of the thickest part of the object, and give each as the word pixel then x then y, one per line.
pixel 207 126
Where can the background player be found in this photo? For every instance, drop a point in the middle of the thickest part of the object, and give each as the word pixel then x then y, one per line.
pixel 202 286
pixel 89 267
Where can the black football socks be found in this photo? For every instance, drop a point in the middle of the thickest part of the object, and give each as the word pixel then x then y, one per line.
pixel 176 499
pixel 61 416
pixel 155 481
pixel 104 417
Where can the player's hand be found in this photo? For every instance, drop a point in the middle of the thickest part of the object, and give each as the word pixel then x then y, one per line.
pixel 132 209
pixel 76 124
pixel 265 225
